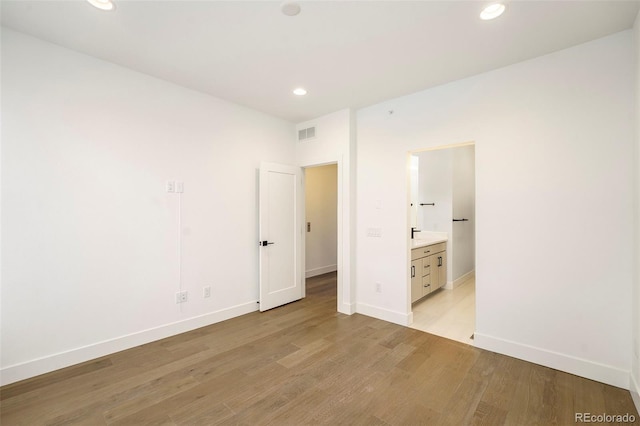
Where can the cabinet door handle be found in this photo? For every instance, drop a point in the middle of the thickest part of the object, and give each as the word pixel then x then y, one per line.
pixel 439 260
pixel 428 251
pixel 413 271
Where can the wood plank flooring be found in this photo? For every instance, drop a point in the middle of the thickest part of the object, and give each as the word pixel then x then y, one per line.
pixel 303 363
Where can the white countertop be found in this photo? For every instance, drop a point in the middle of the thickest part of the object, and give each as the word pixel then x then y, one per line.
pixel 423 239
pixel 427 242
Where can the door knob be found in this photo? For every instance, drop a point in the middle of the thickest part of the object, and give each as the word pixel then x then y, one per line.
pixel 265 243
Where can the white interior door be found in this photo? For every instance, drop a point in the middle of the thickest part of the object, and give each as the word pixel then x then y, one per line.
pixel 280 235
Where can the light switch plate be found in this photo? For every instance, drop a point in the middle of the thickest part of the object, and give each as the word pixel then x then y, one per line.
pixel 374 232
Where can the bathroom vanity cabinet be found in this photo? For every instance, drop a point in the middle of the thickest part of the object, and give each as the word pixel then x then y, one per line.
pixel 428 269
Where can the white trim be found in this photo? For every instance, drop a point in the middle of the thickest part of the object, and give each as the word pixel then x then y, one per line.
pixel 321 270
pixel 399 318
pixel 347 308
pixel 460 280
pixel 580 367
pixel 25 370
pixel 635 392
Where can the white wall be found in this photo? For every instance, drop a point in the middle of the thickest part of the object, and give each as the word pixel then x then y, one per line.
pixel 335 143
pixel 90 237
pixel 321 210
pixel 554 179
pixel 330 143
pixel 464 207
pixel 635 374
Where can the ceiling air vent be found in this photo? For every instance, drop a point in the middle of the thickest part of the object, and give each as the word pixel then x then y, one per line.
pixel 305 134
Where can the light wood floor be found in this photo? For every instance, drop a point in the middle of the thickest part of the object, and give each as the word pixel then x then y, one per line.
pixel 448 313
pixel 302 364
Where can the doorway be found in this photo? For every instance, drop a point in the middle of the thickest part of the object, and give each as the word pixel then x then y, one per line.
pixel 442 211
pixel 321 229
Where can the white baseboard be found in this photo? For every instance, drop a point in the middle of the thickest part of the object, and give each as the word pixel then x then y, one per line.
pixel 347 308
pixel 319 271
pixel 385 314
pixel 25 370
pixel 578 366
pixel 460 280
pixel 635 392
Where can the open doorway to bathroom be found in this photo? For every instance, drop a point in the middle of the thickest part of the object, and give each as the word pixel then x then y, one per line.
pixel 321 231
pixel 442 213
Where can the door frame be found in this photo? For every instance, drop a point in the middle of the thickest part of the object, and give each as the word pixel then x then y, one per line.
pixel 345 293
pixel 304 209
pixel 418 151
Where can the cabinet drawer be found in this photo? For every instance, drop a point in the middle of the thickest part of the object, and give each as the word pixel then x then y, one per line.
pixel 426 280
pixel 426 285
pixel 437 248
pixel 426 267
pixel 417 253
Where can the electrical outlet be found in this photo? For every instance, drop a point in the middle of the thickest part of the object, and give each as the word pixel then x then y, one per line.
pixel 182 296
pixel 378 287
pixel 171 186
pixel 206 291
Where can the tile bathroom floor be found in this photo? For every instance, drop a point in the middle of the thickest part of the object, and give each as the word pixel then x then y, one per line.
pixel 448 313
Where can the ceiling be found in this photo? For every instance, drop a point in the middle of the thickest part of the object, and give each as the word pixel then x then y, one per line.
pixel 345 53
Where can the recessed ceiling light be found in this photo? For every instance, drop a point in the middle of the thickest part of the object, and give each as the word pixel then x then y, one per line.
pixel 102 4
pixel 300 91
pixel 492 11
pixel 290 8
